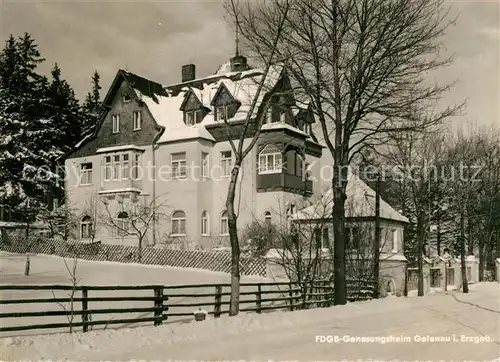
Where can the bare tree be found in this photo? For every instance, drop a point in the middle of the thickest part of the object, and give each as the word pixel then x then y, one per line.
pixel 69 309
pixel 59 219
pixel 239 149
pixel 137 221
pixel 362 64
pixel 417 161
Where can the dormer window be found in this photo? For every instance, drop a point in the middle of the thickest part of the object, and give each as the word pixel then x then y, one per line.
pixel 126 98
pixel 269 115
pixel 222 112
pixel 283 116
pixel 307 128
pixel 193 117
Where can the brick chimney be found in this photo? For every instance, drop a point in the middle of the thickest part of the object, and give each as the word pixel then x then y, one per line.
pixel 188 72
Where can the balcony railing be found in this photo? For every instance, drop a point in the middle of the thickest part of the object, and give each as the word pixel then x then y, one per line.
pixel 117 185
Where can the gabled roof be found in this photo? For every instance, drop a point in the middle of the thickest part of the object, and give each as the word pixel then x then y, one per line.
pixel 242 86
pixel 165 102
pixel 136 82
pixel 360 203
pixel 222 89
pixel 190 93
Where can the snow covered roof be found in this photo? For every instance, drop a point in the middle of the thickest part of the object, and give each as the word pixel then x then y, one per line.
pixel 120 148
pixel 166 112
pixel 279 125
pixel 360 203
pixel 243 87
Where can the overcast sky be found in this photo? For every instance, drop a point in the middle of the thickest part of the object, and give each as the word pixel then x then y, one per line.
pixel 155 38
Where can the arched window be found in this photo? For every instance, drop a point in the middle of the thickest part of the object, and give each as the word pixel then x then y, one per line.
pixel 86 229
pixel 267 218
pixel 122 224
pixel 224 227
pixel 270 160
pixel 205 223
pixel 178 223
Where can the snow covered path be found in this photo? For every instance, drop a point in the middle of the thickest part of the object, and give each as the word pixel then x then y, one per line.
pixel 293 335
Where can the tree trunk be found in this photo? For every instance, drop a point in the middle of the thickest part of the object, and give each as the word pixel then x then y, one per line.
pixel 470 244
pixel 339 184
pixel 28 247
pixel 140 250
pixel 482 258
pixel 463 269
pixel 420 242
pixel 439 233
pixel 234 302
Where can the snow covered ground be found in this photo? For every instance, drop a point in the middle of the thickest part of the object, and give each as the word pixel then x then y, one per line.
pixel 470 323
pixel 52 270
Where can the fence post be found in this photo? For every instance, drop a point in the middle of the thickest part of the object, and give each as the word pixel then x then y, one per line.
pixel 258 299
pixel 158 304
pixel 292 301
pixel 218 301
pixel 85 307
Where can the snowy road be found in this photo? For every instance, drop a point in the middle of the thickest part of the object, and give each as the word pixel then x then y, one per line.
pixel 473 334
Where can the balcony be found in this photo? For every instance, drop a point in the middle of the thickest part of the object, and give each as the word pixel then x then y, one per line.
pixel 121 186
pixel 284 182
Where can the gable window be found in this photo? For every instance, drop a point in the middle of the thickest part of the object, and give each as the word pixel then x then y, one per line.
pixel 116 167
pixel 137 121
pixel 122 224
pixel 107 168
pixel 394 241
pixel 204 164
pixel 126 98
pixel 86 173
pixel 352 238
pixel 179 165
pixel 86 229
pixel 224 227
pixel 179 223
pixel 222 112
pixel 226 163
pixel 193 117
pixel 270 160
pixel 205 224
pixel 116 123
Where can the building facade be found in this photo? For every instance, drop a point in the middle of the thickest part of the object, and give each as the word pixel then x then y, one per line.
pixel 169 149
pixel 360 234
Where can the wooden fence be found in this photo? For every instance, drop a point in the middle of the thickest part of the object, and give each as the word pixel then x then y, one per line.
pixel 175 303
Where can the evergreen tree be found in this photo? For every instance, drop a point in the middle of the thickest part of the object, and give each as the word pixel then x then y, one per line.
pixel 92 108
pixel 63 109
pixel 25 153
